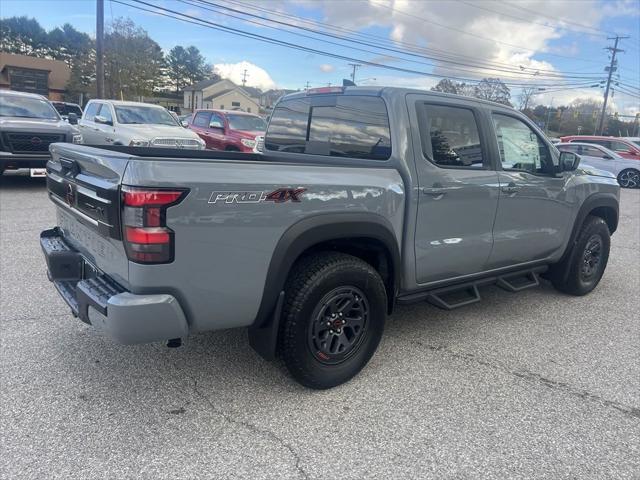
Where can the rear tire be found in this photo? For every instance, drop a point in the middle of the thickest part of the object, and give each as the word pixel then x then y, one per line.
pixel 580 272
pixel 333 318
pixel 629 178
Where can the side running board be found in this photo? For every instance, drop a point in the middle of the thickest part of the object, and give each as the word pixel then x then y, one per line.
pixel 463 294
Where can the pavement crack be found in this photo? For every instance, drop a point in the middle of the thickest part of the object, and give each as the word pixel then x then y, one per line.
pixel 629 411
pixel 247 425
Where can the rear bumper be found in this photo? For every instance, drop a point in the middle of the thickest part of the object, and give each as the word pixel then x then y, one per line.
pixel 15 161
pixel 99 301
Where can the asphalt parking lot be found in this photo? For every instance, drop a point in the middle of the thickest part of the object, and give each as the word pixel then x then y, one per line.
pixel 528 385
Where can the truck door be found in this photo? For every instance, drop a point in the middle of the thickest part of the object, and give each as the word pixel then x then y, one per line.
pixel 535 208
pixel 458 189
pixel 87 125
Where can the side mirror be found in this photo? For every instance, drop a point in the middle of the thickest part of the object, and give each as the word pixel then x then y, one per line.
pixel 72 118
pixel 216 126
pixel 608 157
pixel 569 161
pixel 103 120
pixel 184 124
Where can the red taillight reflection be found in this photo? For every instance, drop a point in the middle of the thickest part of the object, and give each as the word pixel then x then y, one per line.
pixel 147 235
pixel 142 197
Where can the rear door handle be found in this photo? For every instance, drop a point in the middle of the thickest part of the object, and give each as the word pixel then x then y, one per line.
pixel 437 191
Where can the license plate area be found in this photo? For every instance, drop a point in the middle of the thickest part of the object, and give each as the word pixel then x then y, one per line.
pixel 37 172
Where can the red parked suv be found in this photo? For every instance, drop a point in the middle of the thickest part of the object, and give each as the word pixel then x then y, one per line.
pixel 228 130
pixel 622 146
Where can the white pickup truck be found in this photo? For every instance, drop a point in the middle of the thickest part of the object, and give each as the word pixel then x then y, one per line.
pixel 134 124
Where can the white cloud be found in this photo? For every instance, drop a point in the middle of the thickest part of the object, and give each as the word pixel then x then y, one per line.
pixel 327 68
pixel 256 76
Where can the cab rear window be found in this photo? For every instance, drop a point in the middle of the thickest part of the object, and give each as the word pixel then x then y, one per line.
pixel 337 126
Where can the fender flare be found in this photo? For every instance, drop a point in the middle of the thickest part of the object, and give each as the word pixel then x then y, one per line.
pixel 298 238
pixel 596 200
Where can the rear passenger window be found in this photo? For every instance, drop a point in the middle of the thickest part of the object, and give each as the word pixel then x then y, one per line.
pixel 201 119
pixel 449 136
pixel 92 111
pixel 344 126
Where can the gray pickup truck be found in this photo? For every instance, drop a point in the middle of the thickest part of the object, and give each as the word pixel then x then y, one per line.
pixel 28 125
pixel 364 198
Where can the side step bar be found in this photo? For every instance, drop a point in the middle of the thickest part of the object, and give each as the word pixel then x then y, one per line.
pixel 463 294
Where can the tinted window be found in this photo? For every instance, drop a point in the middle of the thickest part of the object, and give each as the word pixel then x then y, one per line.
pixel 247 122
pixel 449 136
pixel 287 130
pixel 66 109
pixel 91 111
pixel 216 121
pixel 520 147
pixel 620 147
pixel 201 119
pixel 604 143
pixel 346 126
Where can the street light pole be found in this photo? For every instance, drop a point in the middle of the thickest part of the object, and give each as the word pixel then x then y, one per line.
pixel 99 48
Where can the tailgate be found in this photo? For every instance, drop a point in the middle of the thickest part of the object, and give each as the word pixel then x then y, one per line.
pixel 84 184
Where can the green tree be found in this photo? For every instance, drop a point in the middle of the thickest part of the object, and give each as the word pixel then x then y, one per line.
pixel 133 61
pixel 24 36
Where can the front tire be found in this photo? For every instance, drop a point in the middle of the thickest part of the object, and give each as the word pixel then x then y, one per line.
pixel 333 318
pixel 580 272
pixel 629 178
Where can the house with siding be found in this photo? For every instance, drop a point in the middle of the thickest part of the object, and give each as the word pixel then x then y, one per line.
pixel 220 94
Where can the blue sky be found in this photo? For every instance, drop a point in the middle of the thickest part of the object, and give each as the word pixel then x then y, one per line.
pixel 561 40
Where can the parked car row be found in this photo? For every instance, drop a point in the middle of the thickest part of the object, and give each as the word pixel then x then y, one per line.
pixel 29 123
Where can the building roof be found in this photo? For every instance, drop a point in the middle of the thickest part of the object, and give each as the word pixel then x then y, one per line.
pixel 219 94
pixel 201 85
pixel 252 91
pixel 59 72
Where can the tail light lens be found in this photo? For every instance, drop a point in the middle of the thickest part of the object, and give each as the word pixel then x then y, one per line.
pixel 147 239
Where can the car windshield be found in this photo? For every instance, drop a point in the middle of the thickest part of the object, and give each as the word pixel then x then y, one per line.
pixel 66 109
pixel 18 106
pixel 131 114
pixel 247 122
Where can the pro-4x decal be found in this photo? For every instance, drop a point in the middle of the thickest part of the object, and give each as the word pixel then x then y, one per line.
pixel 281 195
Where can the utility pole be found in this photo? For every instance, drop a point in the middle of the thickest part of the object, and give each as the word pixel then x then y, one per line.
pixel 353 73
pixel 307 85
pixel 99 48
pixel 244 77
pixel 611 68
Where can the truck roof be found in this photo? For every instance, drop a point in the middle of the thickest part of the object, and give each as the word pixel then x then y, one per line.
pixel 392 91
pixel 15 93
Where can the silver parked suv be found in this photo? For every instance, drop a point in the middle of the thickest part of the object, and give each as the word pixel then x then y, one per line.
pixel 363 198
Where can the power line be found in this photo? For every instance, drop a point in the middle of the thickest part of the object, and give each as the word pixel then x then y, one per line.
pixel 464 32
pixel 528 20
pixel 558 19
pixel 216 26
pixel 412 47
pixel 551 76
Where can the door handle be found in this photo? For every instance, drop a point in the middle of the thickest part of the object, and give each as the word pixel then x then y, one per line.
pixel 437 191
pixel 510 189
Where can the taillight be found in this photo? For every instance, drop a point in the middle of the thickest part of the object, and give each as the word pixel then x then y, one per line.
pixel 147 239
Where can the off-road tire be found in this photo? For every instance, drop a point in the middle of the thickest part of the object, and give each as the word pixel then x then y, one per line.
pixel 309 286
pixel 578 273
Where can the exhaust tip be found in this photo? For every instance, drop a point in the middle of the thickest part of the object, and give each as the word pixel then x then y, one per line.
pixel 174 343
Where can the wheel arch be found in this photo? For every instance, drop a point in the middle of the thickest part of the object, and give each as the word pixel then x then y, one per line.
pixel 603 205
pixel 364 235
